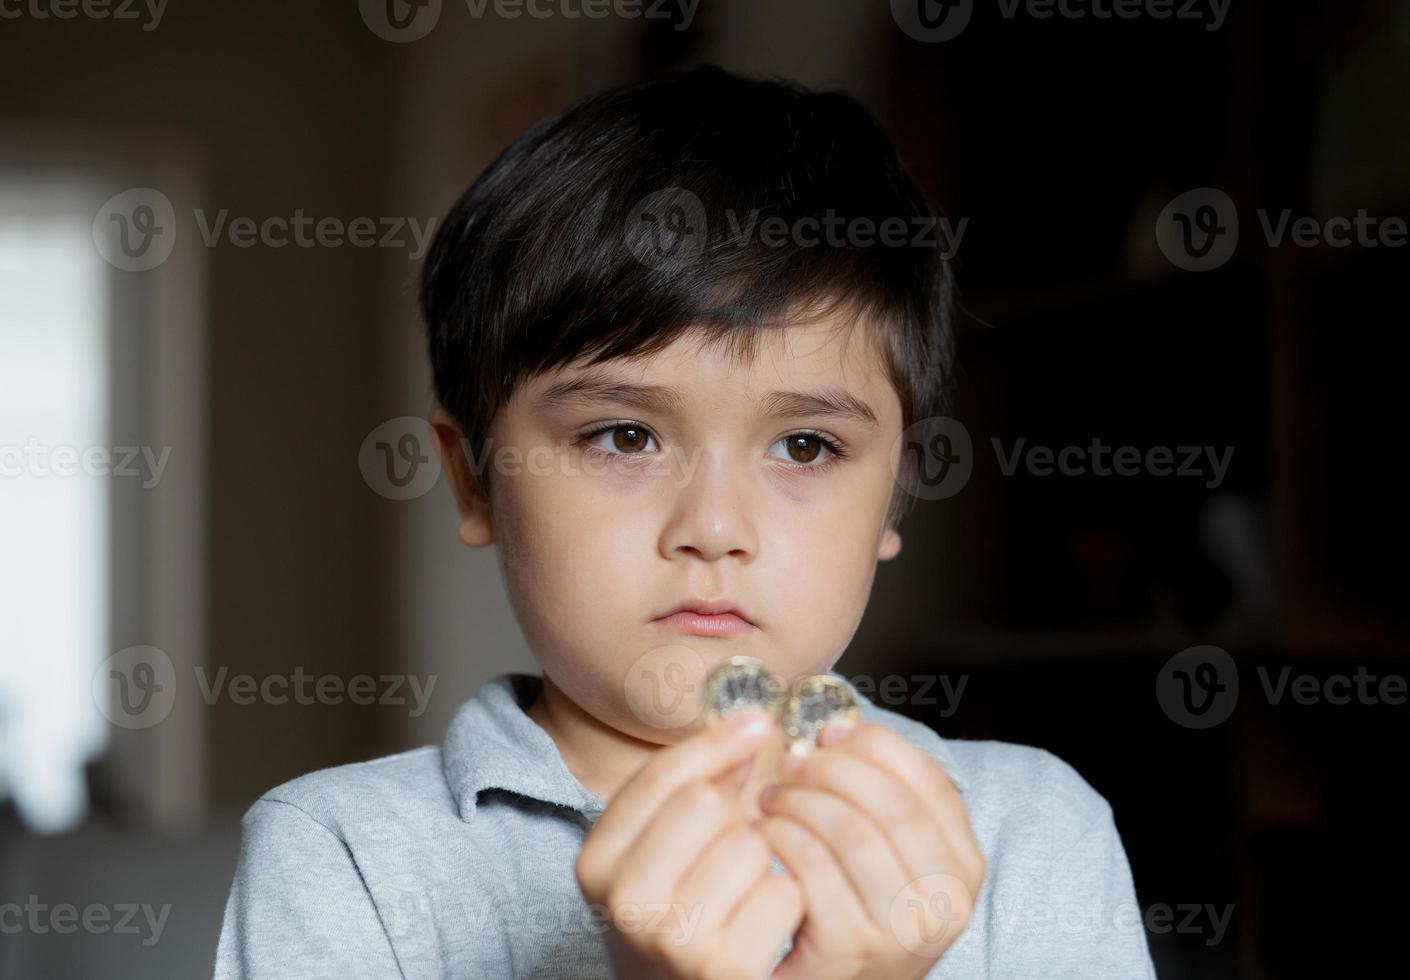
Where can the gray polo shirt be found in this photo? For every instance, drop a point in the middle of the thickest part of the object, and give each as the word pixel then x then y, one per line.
pixel 457 861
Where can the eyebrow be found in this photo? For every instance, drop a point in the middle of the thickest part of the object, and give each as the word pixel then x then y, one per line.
pixel 589 389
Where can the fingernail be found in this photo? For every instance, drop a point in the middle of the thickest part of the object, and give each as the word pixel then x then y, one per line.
pixel 834 731
pixel 753 724
pixel 790 765
pixel 767 794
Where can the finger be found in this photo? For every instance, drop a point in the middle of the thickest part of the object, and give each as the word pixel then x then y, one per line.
pixel 913 831
pixel 698 814
pixel 703 756
pixel 762 923
pixel 723 875
pixel 733 781
pixel 857 844
pixel 832 902
pixel 893 752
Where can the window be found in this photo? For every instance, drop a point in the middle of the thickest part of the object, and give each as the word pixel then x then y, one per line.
pixel 55 501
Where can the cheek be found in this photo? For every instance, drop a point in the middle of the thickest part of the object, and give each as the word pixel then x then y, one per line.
pixel 825 568
pixel 819 584
pixel 571 556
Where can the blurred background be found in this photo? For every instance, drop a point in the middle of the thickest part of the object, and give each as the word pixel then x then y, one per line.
pixel 1165 544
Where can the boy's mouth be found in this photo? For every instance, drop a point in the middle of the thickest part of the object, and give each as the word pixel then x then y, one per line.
pixel 702 618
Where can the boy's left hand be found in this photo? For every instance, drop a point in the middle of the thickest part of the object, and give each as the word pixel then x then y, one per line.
pixel 879 840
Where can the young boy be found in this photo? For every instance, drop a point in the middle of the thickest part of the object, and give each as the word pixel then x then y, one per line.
pixel 675 349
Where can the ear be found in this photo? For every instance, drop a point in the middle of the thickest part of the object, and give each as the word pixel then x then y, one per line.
pixel 474 528
pixel 890 545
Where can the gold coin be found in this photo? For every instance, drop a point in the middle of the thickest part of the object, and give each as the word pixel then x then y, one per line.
pixel 738 683
pixel 815 701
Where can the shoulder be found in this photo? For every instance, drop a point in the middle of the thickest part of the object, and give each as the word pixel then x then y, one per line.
pixel 1051 843
pixel 1014 794
pixel 1032 789
pixel 396 788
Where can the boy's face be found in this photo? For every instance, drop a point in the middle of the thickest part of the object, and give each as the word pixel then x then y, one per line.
pixel 702 492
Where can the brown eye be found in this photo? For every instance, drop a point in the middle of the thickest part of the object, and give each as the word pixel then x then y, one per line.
pixel 622 439
pixel 629 438
pixel 804 449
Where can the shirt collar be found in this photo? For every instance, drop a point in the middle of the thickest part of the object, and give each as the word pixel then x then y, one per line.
pixel 493 744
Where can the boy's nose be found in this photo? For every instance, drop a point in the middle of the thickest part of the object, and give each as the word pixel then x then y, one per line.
pixel 711 516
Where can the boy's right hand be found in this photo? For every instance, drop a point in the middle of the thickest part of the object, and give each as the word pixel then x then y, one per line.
pixel 682 873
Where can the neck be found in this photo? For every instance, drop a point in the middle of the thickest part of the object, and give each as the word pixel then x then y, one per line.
pixel 598 755
pixel 603 758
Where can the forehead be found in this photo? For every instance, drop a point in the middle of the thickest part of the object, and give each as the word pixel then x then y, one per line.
pixel 840 361
pixel 835 351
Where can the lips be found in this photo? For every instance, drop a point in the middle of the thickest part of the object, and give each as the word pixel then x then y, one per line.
pixel 700 618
